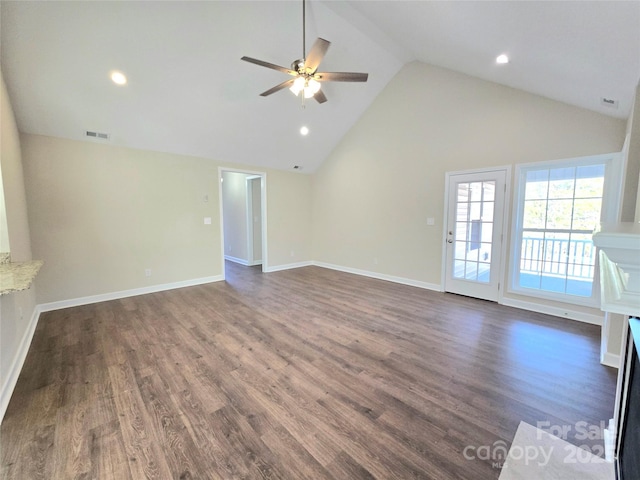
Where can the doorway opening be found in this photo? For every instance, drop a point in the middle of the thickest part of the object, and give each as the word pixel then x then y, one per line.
pixel 243 218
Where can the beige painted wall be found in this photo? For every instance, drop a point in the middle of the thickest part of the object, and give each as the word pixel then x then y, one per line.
pixel 101 215
pixel 288 219
pixel 373 195
pixel 4 230
pixel 631 203
pixel 16 309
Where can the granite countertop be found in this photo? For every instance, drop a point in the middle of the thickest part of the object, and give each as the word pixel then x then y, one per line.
pixel 17 276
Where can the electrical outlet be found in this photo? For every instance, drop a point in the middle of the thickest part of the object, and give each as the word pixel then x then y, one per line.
pixel 293 254
pixel 375 261
pixel 147 272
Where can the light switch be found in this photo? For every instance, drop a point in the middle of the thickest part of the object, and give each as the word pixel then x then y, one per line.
pixel 207 220
pixel 431 221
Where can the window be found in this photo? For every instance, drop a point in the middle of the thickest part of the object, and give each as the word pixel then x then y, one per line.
pixel 558 206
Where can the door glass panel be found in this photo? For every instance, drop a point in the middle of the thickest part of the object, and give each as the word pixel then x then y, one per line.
pixel 476 191
pixel 472 271
pixel 487 212
pixel 485 252
pixel 462 212
pixel 487 232
pixel 474 230
pixel 475 210
pixel 461 229
pixel 458 268
pixel 489 191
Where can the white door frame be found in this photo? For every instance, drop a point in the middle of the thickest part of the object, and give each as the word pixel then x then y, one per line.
pixel 263 212
pixel 502 258
pixel 251 257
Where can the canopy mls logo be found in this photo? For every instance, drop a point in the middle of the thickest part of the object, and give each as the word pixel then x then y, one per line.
pixel 609 102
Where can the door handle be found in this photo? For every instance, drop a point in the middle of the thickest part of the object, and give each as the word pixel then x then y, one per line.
pixel 449 240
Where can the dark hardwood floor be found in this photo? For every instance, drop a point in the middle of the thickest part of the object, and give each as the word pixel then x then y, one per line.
pixel 306 373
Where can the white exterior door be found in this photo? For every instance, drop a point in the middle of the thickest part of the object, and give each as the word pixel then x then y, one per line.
pixel 474 233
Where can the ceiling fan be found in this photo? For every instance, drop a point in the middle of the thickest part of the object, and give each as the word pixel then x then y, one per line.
pixel 306 78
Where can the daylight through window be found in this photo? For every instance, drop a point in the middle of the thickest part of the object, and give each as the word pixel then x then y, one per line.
pixel 559 207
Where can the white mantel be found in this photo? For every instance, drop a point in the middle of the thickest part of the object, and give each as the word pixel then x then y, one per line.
pixel 619 245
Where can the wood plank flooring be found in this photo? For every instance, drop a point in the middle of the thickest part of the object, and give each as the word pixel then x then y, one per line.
pixel 301 374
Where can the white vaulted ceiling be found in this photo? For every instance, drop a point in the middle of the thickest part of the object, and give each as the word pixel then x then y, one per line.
pixel 189 93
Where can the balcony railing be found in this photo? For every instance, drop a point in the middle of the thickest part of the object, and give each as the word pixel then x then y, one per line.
pixel 571 259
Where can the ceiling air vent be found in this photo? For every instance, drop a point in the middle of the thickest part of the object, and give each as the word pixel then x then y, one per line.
pixel 97 135
pixel 609 102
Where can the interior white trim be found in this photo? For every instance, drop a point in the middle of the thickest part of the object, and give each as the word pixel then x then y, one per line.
pixel 17 363
pixel 563 312
pixel 286 266
pixel 76 302
pixel 610 359
pixel 381 276
pixel 241 261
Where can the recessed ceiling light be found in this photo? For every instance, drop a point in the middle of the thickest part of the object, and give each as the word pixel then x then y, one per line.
pixel 502 59
pixel 304 130
pixel 118 78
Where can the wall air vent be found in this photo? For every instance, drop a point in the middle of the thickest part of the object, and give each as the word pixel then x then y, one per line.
pixel 609 102
pixel 96 135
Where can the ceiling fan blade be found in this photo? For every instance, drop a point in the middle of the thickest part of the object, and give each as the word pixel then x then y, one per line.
pixel 319 96
pixel 316 54
pixel 269 65
pixel 341 77
pixel 278 87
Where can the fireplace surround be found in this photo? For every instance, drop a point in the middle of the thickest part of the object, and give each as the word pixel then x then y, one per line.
pixel 619 246
pixel 627 457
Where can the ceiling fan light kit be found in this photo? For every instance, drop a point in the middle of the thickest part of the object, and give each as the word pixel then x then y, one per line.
pixel 305 72
pixel 308 86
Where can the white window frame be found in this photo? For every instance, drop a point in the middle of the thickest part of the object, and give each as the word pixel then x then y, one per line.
pixel 611 200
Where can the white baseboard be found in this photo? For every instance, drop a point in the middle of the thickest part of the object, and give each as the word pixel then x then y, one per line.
pixel 17 363
pixel 241 261
pixel 381 276
pixel 564 312
pixel 288 266
pixel 610 442
pixel 610 359
pixel 76 302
